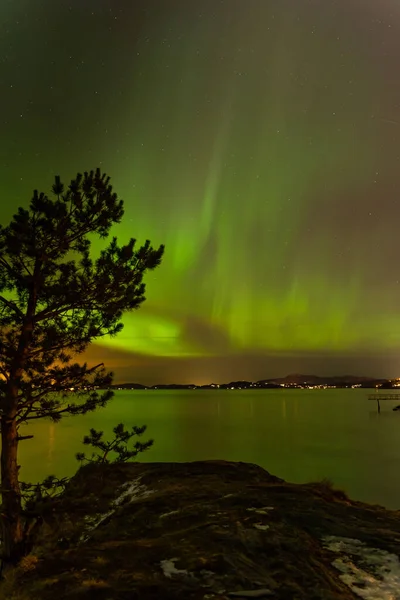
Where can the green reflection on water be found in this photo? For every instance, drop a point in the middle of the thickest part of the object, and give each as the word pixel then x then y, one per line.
pixel 300 435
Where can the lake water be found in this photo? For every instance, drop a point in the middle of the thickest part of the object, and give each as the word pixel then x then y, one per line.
pixel 299 435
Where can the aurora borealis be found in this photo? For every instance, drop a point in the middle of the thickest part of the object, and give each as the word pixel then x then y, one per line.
pixel 258 139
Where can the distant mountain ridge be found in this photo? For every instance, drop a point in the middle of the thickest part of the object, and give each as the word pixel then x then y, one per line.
pixel 292 380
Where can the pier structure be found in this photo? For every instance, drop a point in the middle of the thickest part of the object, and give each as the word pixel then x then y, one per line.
pixel 378 396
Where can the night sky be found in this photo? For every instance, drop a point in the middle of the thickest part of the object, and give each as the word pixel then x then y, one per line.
pixel 258 139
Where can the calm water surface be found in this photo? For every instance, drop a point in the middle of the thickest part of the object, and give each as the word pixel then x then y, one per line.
pixel 300 435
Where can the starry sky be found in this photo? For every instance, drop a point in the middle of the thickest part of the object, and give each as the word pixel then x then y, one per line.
pixel 258 139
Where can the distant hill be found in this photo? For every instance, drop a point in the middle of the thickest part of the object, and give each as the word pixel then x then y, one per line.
pixel 299 378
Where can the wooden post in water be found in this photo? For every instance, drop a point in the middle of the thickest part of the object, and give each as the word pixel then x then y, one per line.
pixel 378 397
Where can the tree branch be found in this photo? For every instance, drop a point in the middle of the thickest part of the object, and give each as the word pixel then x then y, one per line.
pixel 4 373
pixel 23 265
pixel 12 305
pixel 49 415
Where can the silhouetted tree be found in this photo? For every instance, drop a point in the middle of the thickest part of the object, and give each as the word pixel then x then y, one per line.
pixel 54 301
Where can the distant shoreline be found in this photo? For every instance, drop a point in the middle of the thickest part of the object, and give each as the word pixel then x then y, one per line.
pixel 288 382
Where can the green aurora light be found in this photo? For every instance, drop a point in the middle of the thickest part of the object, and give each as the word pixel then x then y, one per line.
pixel 257 145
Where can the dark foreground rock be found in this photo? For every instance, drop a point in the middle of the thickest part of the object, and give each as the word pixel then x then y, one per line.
pixel 206 530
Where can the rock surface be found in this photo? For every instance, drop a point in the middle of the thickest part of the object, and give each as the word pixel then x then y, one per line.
pixel 207 530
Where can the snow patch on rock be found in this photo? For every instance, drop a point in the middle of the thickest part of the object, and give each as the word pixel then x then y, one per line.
pixel 129 492
pixel 261 526
pixel 168 514
pixel 169 569
pixel 370 573
pixel 260 511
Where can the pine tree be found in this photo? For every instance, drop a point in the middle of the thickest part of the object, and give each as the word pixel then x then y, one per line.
pixel 54 301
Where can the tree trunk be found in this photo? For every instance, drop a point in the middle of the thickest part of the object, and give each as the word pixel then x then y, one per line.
pixel 12 528
pixel 11 509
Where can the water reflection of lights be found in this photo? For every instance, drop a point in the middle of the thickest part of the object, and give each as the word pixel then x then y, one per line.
pixel 51 445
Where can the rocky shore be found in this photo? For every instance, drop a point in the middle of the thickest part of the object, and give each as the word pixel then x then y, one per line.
pixel 206 530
